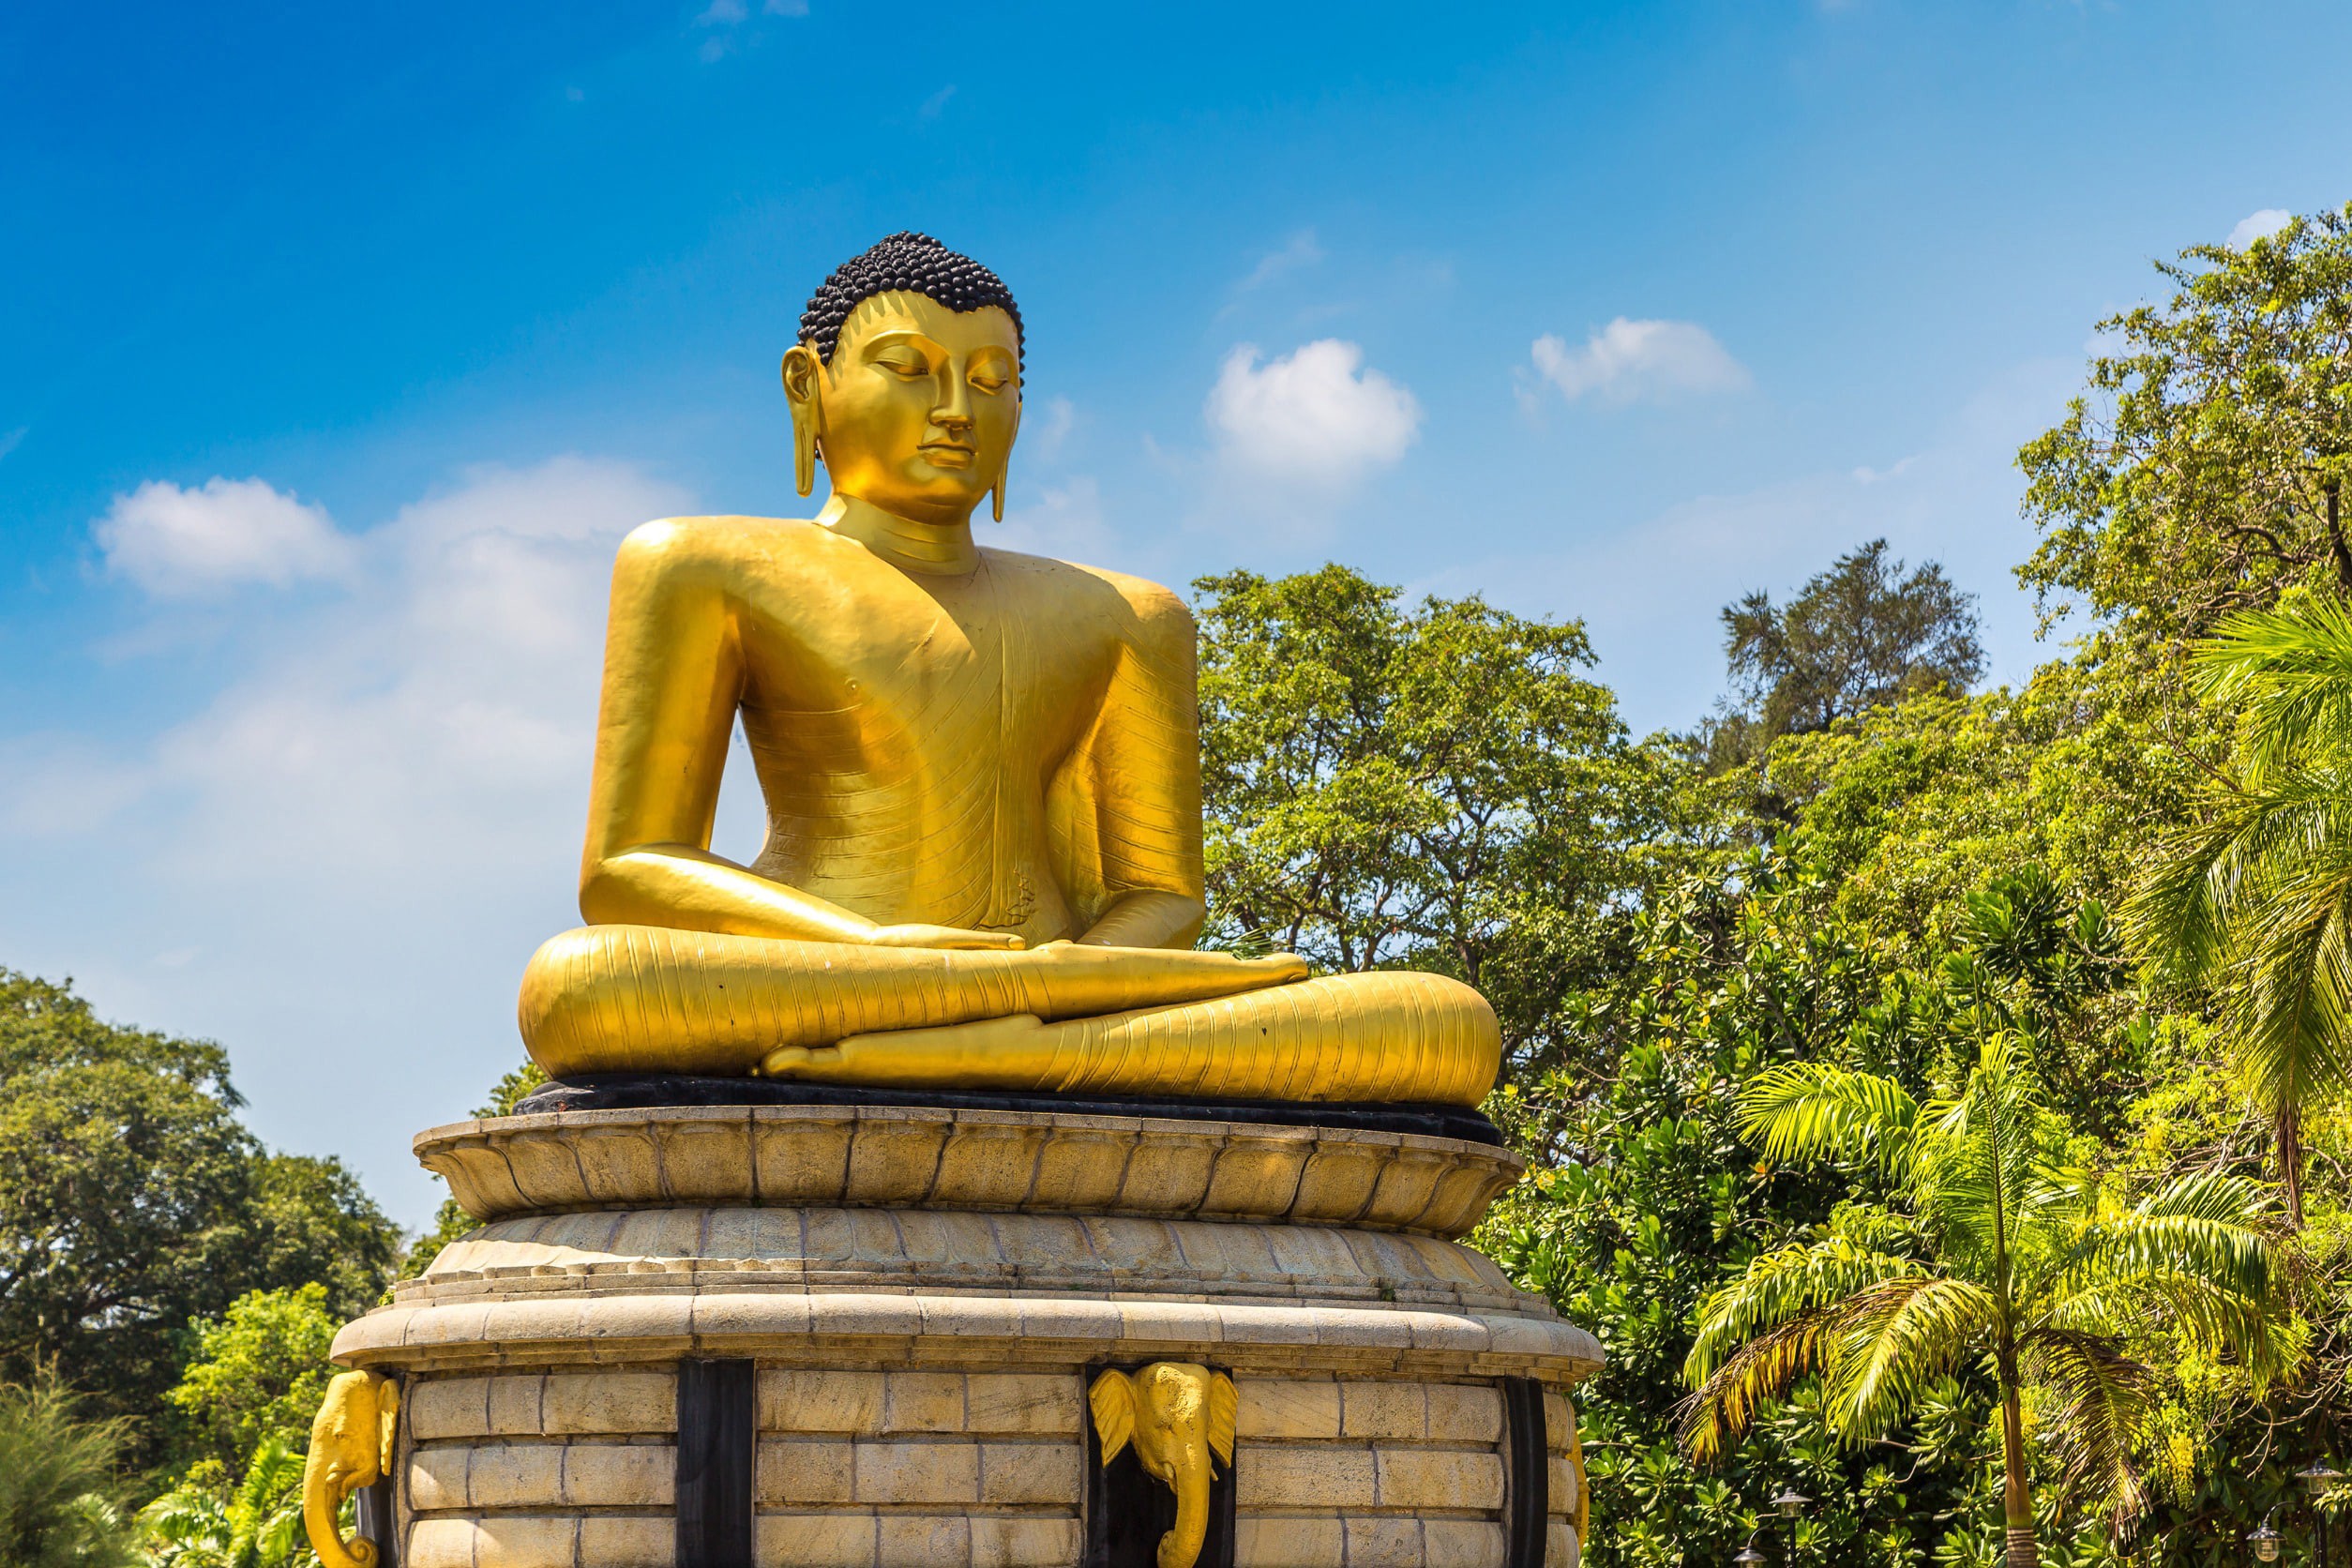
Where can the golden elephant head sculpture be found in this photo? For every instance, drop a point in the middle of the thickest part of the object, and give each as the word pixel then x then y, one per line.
pixel 1177 1414
pixel 351 1447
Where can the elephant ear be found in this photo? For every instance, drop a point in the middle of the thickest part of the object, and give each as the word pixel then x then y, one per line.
pixel 1224 1415
pixel 387 1421
pixel 1113 1399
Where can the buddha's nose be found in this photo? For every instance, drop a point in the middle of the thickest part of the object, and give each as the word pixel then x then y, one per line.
pixel 953 411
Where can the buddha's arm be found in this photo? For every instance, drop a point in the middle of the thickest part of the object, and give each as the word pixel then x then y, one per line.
pixel 1144 784
pixel 673 673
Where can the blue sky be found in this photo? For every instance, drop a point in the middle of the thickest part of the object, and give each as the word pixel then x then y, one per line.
pixel 342 342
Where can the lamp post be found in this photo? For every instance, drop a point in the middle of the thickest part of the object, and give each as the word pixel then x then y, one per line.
pixel 2265 1541
pixel 1749 1556
pixel 1789 1503
pixel 2317 1480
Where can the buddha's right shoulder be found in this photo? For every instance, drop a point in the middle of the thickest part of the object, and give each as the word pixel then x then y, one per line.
pixel 673 543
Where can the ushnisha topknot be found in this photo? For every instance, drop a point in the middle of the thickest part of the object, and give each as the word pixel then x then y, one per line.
pixel 916 263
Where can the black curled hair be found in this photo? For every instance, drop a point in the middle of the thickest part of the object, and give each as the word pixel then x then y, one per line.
pixel 917 263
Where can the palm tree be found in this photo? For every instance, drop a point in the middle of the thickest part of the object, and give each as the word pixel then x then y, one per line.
pixel 58 1484
pixel 258 1525
pixel 1993 1251
pixel 2257 898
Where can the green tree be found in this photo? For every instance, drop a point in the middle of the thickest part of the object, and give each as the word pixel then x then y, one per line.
pixel 2201 473
pixel 59 1488
pixel 1996 1247
pixel 205 1521
pixel 257 1372
pixel 2255 899
pixel 1647 1191
pixel 1862 635
pixel 132 1201
pixel 1436 787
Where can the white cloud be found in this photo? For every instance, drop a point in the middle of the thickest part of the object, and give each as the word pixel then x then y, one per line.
pixel 2258 225
pixel 363 832
pixel 935 102
pixel 9 439
pixel 447 701
pixel 176 543
pixel 722 13
pixel 1313 420
pixel 1629 361
pixel 1301 250
pixel 1650 589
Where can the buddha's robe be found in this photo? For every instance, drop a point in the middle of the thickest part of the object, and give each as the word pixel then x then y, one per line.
pixel 1013 750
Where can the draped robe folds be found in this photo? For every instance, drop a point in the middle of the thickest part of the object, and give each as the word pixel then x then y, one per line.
pixel 1013 750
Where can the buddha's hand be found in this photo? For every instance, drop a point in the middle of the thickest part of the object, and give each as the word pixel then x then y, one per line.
pixel 1081 978
pixel 951 937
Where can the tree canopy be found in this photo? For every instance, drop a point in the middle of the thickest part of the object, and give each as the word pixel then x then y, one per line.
pixel 1864 634
pixel 132 1201
pixel 1436 785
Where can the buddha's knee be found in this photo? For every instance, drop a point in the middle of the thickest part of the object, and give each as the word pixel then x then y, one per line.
pixel 581 1005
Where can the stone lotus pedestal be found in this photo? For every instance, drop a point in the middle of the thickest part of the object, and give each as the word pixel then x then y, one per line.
pixel 908 1306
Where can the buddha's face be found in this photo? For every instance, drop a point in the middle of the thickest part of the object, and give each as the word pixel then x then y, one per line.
pixel 917 410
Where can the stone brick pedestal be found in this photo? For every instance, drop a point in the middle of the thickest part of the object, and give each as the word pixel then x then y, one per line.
pixel 915 1300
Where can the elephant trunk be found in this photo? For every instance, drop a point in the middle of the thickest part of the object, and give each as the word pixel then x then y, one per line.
pixel 321 1504
pixel 1181 1546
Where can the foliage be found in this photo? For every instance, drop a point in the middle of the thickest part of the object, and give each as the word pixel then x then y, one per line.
pixel 207 1521
pixel 257 1372
pixel 131 1201
pixel 1862 635
pixel 2200 473
pixel 1999 1249
pixel 59 1487
pixel 2254 897
pixel 1436 787
pixel 451 1222
pixel 1650 1191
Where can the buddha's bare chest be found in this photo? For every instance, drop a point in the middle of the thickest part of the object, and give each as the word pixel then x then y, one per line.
pixel 920 685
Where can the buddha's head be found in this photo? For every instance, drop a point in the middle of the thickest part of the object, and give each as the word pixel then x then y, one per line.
pixel 907 381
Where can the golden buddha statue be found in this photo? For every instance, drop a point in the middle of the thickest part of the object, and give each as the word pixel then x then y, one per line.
pixel 983 865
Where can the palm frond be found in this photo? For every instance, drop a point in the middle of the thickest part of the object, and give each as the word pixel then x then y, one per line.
pixel 2096 1403
pixel 2288 672
pixel 1759 1372
pixel 2211 1225
pixel 1810 1109
pixel 1780 1285
pixel 1898 1338
pixel 1985 1168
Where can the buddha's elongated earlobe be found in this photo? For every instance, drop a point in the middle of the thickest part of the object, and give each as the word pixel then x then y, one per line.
pixel 996 492
pixel 800 390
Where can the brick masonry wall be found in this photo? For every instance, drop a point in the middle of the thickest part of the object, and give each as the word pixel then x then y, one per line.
pixel 878 1468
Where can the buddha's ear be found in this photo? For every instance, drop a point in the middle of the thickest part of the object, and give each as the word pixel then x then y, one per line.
pixel 996 492
pixel 804 388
